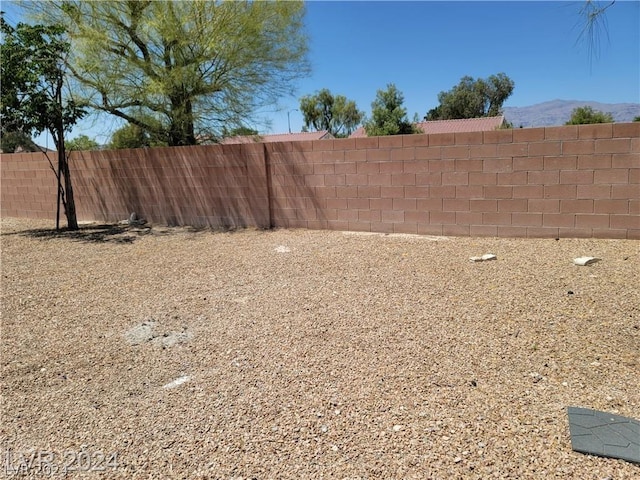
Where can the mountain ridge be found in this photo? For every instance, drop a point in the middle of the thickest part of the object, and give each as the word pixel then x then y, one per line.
pixel 558 112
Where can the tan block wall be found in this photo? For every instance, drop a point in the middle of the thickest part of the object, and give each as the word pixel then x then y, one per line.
pixel 200 186
pixel 28 186
pixel 570 181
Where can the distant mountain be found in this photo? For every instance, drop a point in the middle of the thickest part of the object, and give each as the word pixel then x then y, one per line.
pixel 558 112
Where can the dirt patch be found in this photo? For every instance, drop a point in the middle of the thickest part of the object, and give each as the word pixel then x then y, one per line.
pixel 150 332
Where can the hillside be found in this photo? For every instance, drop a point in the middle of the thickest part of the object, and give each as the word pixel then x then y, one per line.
pixel 558 112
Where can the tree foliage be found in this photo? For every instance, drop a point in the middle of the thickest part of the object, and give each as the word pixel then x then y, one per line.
pixel 32 81
pixel 334 113
pixel 129 136
pixel 239 132
pixel 182 70
pixel 133 136
pixel 82 142
pixel 14 142
pixel 31 99
pixel 473 98
pixel 595 23
pixel 587 115
pixel 388 116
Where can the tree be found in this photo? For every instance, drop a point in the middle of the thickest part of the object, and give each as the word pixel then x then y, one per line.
pixel 82 142
pixel 133 136
pixel 334 113
pixel 191 66
pixel 595 21
pixel 586 115
pixel 14 142
pixel 636 119
pixel 473 98
pixel 33 76
pixel 129 136
pixel 239 132
pixel 388 116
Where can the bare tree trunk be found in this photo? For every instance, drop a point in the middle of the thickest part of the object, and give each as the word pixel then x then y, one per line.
pixel 63 167
pixel 59 193
pixel 70 204
pixel 181 130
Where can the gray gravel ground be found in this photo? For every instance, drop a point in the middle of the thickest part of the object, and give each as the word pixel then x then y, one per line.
pixel 296 354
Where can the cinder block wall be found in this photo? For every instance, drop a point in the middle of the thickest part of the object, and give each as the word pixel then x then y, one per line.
pixel 219 185
pixel 577 181
pixel 27 185
pixel 569 181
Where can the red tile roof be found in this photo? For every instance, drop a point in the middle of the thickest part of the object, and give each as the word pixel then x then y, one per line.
pixel 278 137
pixel 483 124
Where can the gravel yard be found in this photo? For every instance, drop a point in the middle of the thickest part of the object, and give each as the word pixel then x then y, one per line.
pixel 294 354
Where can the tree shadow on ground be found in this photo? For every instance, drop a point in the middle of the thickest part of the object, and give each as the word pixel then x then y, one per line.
pixel 92 233
pixel 114 233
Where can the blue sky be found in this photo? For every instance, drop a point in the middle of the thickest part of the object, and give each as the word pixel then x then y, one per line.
pixel 424 47
pixel 427 47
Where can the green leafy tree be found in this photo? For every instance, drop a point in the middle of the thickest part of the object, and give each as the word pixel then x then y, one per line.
pixel 191 66
pixel 506 125
pixel 82 142
pixel 239 132
pixel 586 115
pixel 636 119
pixel 133 136
pixel 33 77
pixel 129 136
pixel 388 116
pixel 473 98
pixel 334 113
pixel 12 142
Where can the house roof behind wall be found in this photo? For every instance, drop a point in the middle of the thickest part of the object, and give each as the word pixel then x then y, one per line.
pixel 280 137
pixel 483 124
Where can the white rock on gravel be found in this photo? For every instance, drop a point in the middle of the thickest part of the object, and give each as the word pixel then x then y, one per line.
pixel 484 258
pixel 177 382
pixel 583 261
